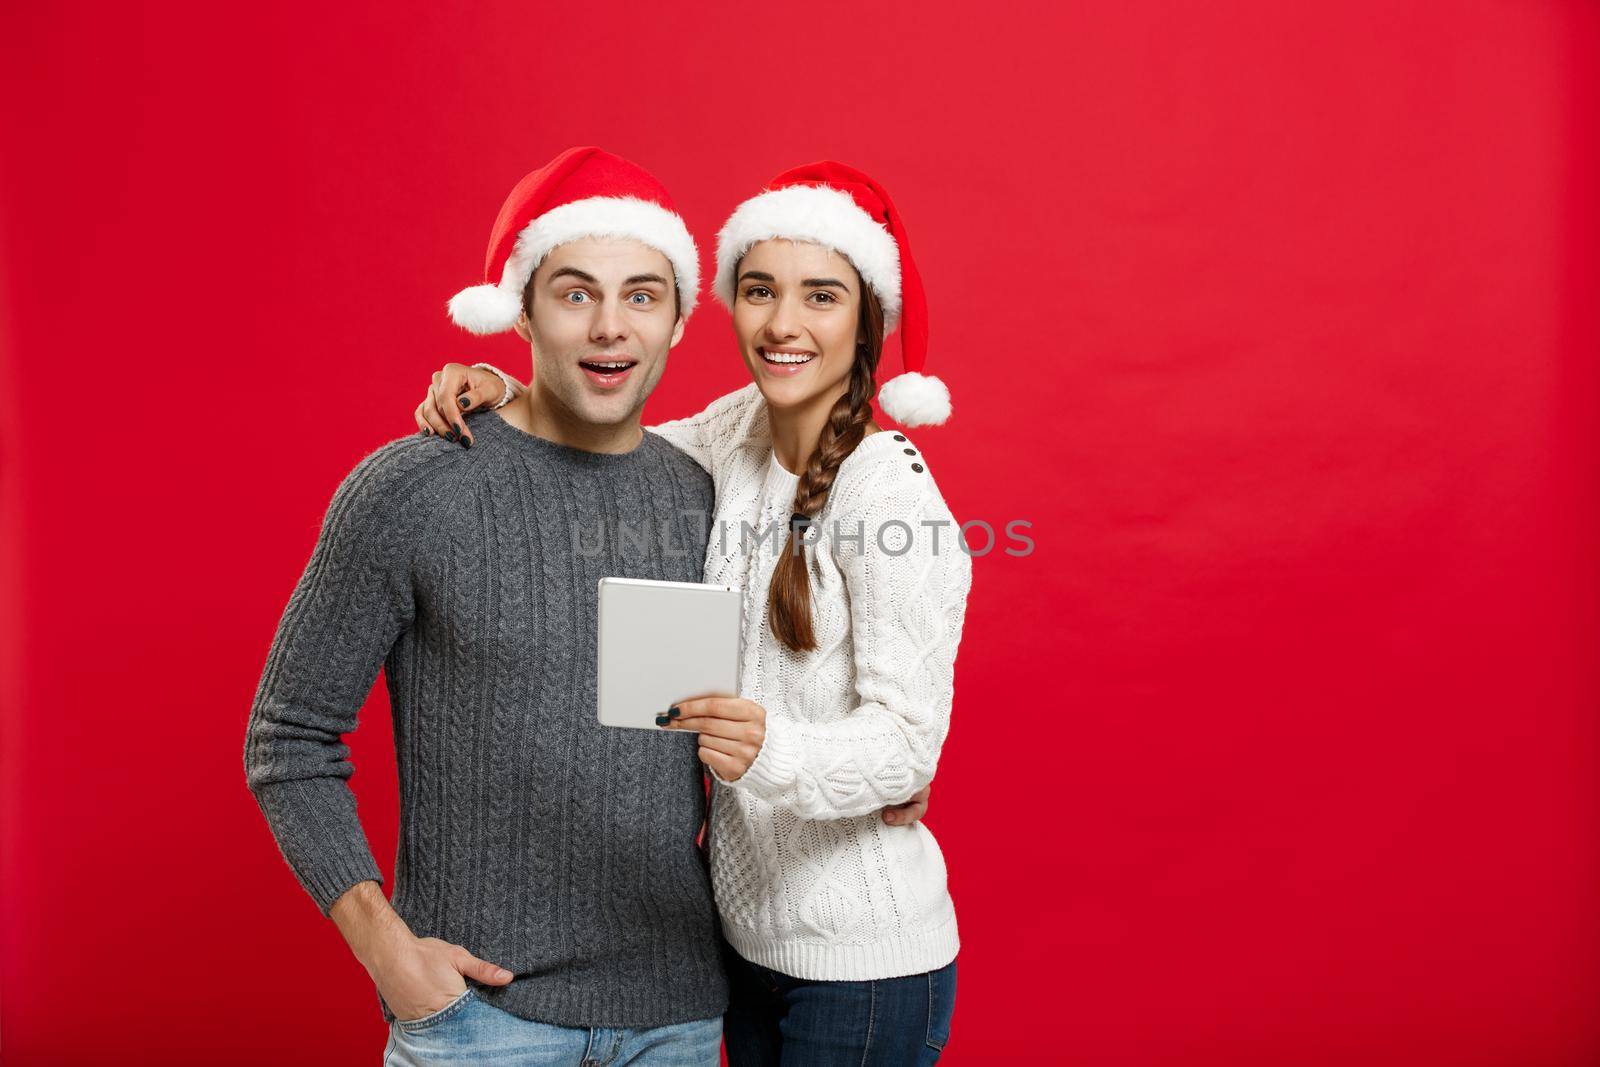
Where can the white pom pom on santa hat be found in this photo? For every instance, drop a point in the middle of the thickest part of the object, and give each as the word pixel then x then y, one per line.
pixel 914 399
pixel 485 309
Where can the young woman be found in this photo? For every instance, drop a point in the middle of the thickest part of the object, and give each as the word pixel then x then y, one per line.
pixel 840 932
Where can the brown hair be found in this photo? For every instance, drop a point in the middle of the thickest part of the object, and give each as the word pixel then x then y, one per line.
pixel 789 595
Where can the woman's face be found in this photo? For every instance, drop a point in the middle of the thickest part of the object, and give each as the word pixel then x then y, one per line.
pixel 797 315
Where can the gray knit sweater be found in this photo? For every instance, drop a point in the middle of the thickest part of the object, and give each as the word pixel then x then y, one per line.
pixel 538 839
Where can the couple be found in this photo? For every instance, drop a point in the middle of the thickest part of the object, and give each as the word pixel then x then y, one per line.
pixel 552 903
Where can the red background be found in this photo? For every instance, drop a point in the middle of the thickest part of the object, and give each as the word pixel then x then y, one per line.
pixel 1275 319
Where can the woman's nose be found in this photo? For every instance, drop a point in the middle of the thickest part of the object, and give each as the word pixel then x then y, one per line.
pixel 784 322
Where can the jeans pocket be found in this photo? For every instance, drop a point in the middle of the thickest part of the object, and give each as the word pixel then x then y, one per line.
pixel 432 1019
pixel 941 1005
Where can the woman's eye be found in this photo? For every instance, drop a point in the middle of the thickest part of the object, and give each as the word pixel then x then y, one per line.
pixel 827 298
pixel 757 292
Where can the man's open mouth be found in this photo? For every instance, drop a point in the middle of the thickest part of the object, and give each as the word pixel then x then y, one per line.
pixel 607 372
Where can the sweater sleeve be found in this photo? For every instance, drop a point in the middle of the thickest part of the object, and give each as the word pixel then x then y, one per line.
pixel 351 603
pixel 906 613
pixel 708 433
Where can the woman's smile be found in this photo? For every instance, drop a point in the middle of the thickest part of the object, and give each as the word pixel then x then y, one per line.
pixel 784 362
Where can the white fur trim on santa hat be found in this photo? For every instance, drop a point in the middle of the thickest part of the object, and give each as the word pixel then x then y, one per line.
pixel 485 309
pixel 827 216
pixel 914 399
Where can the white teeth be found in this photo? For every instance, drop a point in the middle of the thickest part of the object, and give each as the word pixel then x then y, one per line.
pixel 609 366
pixel 786 357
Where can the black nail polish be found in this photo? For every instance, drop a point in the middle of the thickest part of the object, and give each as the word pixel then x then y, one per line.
pixel 466 442
pixel 450 434
pixel 427 431
pixel 464 402
pixel 662 720
pixel 674 711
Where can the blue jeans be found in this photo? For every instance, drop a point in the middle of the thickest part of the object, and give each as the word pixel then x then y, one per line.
pixel 774 1019
pixel 469 1031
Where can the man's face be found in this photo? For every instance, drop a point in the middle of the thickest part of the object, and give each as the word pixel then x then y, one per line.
pixel 602 322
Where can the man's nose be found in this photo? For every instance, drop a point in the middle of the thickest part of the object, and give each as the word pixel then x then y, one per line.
pixel 609 323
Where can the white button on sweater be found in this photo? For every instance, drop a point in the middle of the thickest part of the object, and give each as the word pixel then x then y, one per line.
pixel 808 878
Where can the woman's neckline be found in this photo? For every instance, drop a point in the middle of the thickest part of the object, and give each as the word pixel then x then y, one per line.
pixel 869 443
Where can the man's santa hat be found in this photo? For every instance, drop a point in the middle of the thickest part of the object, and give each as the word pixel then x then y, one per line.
pixel 583 192
pixel 841 208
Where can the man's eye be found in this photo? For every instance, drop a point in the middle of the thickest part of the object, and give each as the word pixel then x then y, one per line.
pixel 641 298
pixel 577 296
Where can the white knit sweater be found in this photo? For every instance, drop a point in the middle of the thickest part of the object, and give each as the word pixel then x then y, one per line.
pixel 808 878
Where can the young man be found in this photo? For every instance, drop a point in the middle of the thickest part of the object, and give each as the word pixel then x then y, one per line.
pixel 550 902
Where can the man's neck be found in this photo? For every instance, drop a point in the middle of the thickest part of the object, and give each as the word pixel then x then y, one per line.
pixel 536 412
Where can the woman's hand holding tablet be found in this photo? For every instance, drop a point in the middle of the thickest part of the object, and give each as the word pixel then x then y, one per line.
pixel 662 643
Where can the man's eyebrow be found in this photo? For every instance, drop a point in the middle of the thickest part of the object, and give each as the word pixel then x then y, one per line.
pixel 638 279
pixel 758 275
pixel 575 273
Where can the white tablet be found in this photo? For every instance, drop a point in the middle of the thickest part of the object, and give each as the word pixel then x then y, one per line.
pixel 662 642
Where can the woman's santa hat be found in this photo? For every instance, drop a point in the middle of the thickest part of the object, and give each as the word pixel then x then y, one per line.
pixel 841 208
pixel 583 192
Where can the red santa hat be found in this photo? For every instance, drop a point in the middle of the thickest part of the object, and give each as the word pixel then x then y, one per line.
pixel 841 208
pixel 583 192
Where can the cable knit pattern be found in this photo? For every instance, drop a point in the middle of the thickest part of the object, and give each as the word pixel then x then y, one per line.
pixel 529 833
pixel 809 880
